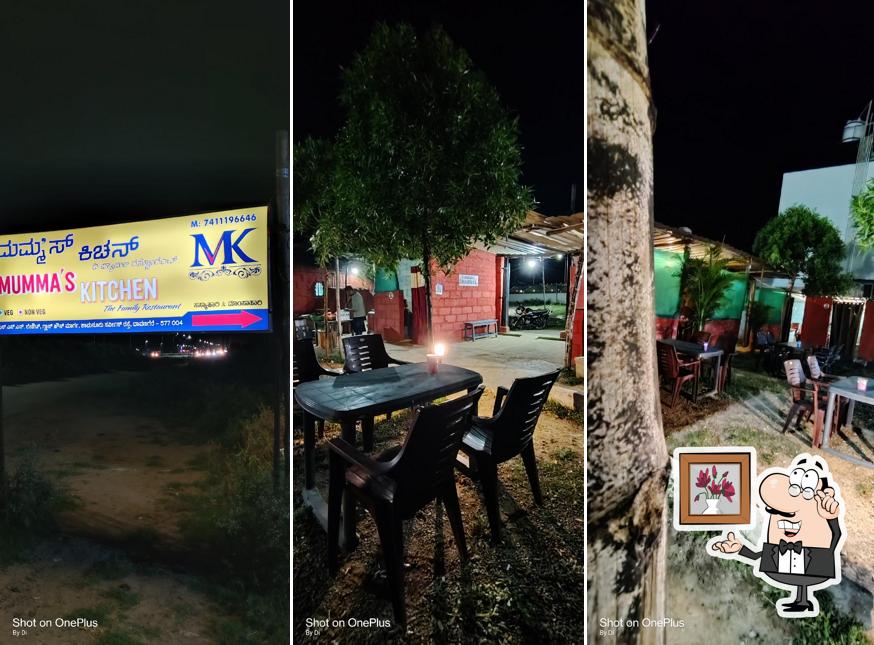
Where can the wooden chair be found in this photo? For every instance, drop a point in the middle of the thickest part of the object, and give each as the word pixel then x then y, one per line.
pixel 675 371
pixel 364 353
pixel 400 481
pixel 508 433
pixel 701 337
pixel 306 368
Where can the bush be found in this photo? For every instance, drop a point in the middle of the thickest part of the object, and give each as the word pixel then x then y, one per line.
pixel 244 527
pixel 32 501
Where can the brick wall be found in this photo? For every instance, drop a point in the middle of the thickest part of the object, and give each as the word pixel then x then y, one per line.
pixel 388 316
pixel 460 304
pixel 304 279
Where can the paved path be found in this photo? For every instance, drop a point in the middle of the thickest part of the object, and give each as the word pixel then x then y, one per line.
pixel 503 359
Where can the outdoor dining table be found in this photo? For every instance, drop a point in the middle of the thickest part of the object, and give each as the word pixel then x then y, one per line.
pixel 351 397
pixel 846 388
pixel 697 351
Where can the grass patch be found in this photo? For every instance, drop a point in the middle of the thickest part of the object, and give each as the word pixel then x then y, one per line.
pixel 563 412
pixel 568 376
pixel 117 637
pixel 200 461
pixel 100 613
pixel 123 597
pixel 154 461
pixel 114 567
pixel 745 384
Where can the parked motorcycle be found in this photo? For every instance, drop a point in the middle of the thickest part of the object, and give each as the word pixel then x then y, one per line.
pixel 527 318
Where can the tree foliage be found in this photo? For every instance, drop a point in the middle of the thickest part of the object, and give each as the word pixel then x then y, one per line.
pixel 862 206
pixel 426 164
pixel 800 241
pixel 704 283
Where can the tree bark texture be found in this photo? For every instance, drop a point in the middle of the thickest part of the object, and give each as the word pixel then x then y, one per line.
pixel 627 457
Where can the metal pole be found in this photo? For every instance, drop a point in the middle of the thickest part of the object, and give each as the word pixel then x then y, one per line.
pixel 282 263
pixel 505 306
pixel 543 279
pixel 339 324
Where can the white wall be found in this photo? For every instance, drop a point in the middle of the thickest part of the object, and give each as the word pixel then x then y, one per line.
pixel 828 191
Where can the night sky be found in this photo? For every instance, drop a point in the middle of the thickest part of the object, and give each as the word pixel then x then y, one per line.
pixel 745 92
pixel 122 111
pixel 532 52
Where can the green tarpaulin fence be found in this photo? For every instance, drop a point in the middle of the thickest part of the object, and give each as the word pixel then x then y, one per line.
pixel 386 280
pixel 667 289
pixel 667 283
pixel 774 299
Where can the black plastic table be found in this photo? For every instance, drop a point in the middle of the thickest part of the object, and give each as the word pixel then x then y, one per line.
pixel 350 397
pixel 698 351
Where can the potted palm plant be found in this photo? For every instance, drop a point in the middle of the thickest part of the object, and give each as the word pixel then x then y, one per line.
pixel 704 282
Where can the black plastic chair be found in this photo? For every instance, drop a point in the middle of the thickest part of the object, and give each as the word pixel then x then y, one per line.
pixel 367 352
pixel 400 481
pixel 508 433
pixel 304 329
pixel 364 353
pixel 306 368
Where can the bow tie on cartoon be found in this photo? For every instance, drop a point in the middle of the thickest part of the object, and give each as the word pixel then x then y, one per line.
pixel 790 546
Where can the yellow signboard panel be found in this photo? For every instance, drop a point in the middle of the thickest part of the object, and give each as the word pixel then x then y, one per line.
pixel 205 272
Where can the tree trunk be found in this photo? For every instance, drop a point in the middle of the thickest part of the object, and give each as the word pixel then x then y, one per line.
pixel 627 457
pixel 426 274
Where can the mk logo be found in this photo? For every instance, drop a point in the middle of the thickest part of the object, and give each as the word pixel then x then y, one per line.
pixel 231 248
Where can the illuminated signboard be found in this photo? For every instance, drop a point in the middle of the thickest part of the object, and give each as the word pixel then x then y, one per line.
pixel 196 273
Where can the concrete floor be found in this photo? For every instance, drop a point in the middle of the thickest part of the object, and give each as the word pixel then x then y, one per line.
pixel 503 359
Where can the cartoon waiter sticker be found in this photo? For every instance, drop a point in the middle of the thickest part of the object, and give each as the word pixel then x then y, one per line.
pixel 799 548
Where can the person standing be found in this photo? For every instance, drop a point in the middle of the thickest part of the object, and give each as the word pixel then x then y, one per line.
pixel 355 305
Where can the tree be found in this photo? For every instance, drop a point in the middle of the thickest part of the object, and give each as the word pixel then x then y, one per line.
pixel 801 242
pixel 427 162
pixel 627 458
pixel 704 282
pixel 862 206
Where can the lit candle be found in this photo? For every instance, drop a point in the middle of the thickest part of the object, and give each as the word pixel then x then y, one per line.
pixel 861 383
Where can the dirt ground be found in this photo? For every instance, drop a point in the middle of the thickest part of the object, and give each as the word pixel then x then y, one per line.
pixel 74 578
pixel 532 581
pixel 123 471
pixel 757 421
pixel 124 468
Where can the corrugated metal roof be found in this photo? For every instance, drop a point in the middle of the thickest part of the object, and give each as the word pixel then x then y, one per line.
pixel 668 238
pixel 543 235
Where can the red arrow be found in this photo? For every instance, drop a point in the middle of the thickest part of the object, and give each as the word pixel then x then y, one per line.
pixel 240 319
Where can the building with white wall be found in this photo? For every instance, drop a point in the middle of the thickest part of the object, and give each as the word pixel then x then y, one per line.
pixel 828 191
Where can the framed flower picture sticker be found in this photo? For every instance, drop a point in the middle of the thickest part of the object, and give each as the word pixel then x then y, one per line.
pixel 713 488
